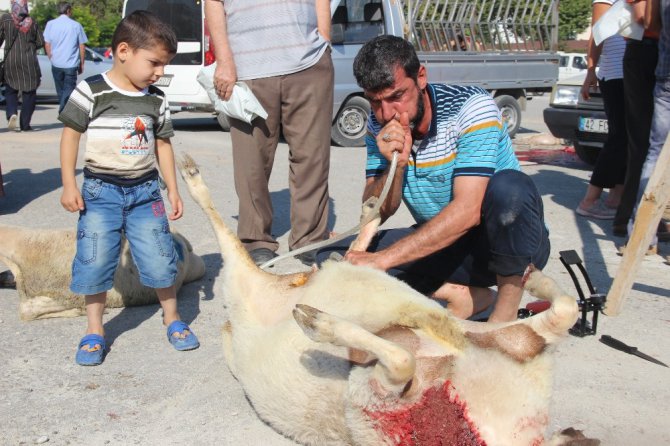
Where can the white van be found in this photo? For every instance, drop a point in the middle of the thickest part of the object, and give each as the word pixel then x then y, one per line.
pixel 187 19
pixel 571 64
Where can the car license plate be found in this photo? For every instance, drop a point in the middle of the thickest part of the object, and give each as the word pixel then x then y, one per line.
pixel 593 125
pixel 163 81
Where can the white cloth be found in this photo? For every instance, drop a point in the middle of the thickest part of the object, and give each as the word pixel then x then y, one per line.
pixel 242 104
pixel 617 20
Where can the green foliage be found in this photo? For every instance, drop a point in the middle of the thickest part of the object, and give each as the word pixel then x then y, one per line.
pixel 574 16
pixel 98 17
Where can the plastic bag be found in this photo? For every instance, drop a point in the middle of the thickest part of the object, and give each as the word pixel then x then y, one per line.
pixel 617 20
pixel 242 104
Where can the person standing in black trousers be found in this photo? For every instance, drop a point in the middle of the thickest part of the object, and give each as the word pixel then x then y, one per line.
pixel 22 71
pixel 639 63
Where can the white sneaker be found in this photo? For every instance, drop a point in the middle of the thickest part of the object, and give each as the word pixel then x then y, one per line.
pixel 13 122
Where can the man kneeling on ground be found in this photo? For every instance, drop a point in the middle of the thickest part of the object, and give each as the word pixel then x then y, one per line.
pixel 479 219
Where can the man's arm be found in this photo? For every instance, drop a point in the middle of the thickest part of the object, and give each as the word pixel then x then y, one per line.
pixel 47 48
pixel 225 75
pixel 374 186
pixel 82 57
pixel 593 53
pixel 652 16
pixel 638 10
pixel 323 18
pixel 457 218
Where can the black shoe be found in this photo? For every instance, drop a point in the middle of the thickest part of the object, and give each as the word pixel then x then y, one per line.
pixel 262 255
pixel 307 258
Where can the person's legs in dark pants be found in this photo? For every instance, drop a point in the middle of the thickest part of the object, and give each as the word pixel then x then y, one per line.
pixel 12 101
pixel 65 80
pixel 513 215
pixel 639 64
pixel 69 84
pixel 512 235
pixel 59 75
pixel 609 171
pixel 28 100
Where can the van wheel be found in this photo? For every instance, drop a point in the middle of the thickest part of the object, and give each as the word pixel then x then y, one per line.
pixel 351 123
pixel 223 122
pixel 587 154
pixel 511 113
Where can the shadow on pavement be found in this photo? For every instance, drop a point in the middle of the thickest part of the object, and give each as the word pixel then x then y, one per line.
pixel 22 186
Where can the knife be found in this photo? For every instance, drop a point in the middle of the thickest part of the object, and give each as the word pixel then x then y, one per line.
pixel 615 343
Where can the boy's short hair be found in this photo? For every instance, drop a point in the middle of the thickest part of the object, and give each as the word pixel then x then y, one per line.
pixel 144 30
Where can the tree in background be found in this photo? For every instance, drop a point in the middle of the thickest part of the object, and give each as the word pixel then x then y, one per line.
pixel 574 16
pixel 98 17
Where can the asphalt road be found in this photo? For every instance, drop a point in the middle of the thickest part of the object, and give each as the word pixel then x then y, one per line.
pixel 146 393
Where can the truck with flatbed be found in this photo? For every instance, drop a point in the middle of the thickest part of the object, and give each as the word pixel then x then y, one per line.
pixel 507 47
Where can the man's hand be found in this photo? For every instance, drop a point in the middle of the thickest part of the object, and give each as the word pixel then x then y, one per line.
pixel 71 199
pixel 225 77
pixel 396 136
pixel 364 258
pixel 590 82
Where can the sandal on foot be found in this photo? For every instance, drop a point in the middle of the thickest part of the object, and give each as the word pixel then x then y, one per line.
pixel 91 350
pixel 181 336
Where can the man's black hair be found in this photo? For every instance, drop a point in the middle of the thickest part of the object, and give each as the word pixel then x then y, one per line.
pixel 376 62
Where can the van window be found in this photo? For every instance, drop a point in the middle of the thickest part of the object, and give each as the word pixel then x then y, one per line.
pixel 563 61
pixel 579 63
pixel 185 18
pixel 362 19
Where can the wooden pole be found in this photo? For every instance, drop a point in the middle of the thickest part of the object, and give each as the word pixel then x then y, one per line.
pixel 648 215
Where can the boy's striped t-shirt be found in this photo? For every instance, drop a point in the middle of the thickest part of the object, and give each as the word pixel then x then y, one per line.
pixel 466 138
pixel 121 126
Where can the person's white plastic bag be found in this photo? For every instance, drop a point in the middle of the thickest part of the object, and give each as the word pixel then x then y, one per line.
pixel 242 104
pixel 617 20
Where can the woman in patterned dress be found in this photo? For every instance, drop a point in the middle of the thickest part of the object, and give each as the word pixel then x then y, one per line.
pixel 22 71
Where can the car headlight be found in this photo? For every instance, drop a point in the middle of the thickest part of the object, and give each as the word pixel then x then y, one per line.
pixel 566 95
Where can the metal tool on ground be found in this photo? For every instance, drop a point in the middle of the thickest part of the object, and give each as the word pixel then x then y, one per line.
pixel 615 343
pixel 593 303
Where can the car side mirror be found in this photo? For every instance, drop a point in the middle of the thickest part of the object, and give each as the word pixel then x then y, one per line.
pixel 336 33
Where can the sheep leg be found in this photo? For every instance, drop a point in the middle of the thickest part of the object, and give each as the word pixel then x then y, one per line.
pixel 395 365
pixel 550 324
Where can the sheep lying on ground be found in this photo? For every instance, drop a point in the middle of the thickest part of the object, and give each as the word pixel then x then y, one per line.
pixel 41 262
pixel 370 361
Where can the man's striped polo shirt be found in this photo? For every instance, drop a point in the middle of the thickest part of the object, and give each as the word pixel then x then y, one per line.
pixel 466 138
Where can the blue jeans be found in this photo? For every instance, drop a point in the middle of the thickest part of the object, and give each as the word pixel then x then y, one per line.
pixel 511 235
pixel 660 127
pixel 111 210
pixel 65 80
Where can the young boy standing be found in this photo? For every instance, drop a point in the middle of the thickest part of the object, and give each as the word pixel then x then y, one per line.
pixel 128 129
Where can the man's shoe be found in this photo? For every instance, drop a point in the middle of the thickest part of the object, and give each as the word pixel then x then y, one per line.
pixel 262 255
pixel 13 123
pixel 307 258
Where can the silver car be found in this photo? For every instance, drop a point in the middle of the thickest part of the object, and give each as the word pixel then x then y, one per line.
pixel 94 64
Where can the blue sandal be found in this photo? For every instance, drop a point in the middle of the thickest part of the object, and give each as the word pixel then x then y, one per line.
pixel 182 337
pixel 95 351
